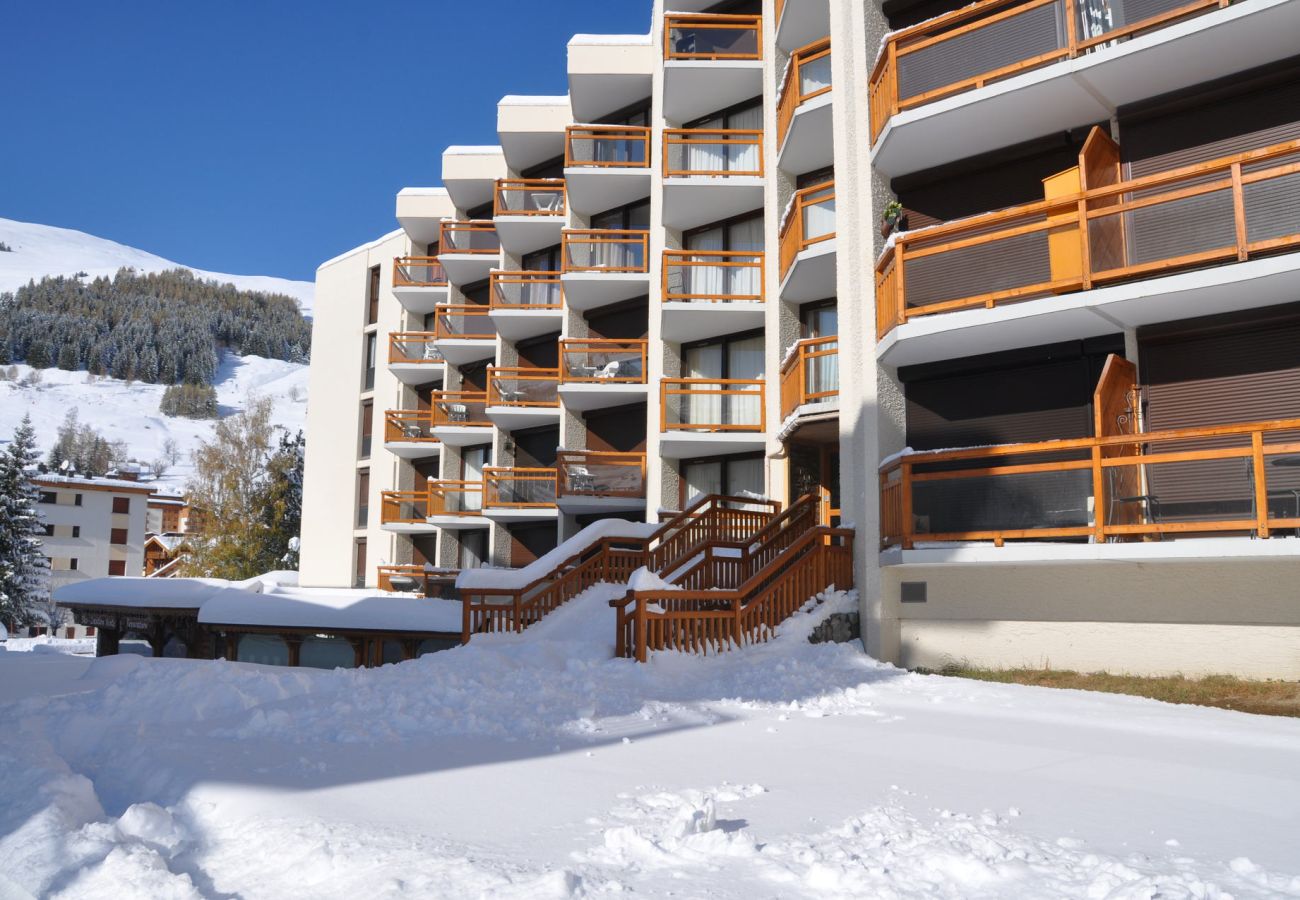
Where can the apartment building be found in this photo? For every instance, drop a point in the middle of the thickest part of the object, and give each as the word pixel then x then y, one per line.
pixel 94 527
pixel 1011 286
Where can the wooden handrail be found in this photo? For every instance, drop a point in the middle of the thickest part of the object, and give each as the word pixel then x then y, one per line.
pixel 799 370
pixel 629 250
pixel 442 494
pixel 519 197
pixel 1090 220
pixel 409 425
pixel 734 269
pixel 684 26
pixel 794 230
pixel 495 477
pixel 401 343
pixel 623 146
pixel 477 318
pixel 579 473
pixel 1093 455
pixel 543 382
pixel 792 95
pixel 425 577
pixel 750 390
pixel 514 290
pixel 459 408
pixel 887 97
pixel 577 365
pixel 483 232
pixel 713 137
pixel 403 507
pixel 418 271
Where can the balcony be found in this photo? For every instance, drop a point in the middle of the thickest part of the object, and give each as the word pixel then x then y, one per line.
pixel 519 494
pixel 456 505
pixel 609 72
pixel 593 481
pixel 529 213
pixel 422 581
pixel 710 62
pixel 414 357
pixel 597 373
pixel 468 250
pixel 531 129
pixel 606 166
pixel 522 398
pixel 1086 263
pixel 465 333
pixel 459 418
pixel 999 72
pixel 803 110
pixel 710 416
pixel 470 174
pixel 811 376
pixel 800 22
pixel 408 433
pixel 808 245
pixel 707 293
pixel 711 175
pixel 420 212
pixel 405 512
pixel 419 283
pixel 604 266
pixel 526 304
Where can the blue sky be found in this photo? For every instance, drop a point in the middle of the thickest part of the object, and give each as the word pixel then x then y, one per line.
pixel 261 136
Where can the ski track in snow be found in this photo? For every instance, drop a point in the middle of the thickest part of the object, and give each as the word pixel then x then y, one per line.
pixel 535 766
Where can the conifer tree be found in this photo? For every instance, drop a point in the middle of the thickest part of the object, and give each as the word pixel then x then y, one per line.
pixel 281 503
pixel 24 571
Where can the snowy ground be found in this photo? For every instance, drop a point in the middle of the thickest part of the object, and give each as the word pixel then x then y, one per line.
pixel 535 766
pixel 129 412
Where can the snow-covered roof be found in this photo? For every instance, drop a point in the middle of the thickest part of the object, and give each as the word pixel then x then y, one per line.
pixel 169 541
pixel 141 593
pixel 471 150
pixel 116 484
pixel 533 100
pixel 341 610
pixel 362 248
pixel 488 577
pixel 422 192
pixel 610 40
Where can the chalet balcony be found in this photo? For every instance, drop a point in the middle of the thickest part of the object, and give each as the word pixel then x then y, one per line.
pixel 976 71
pixel 465 333
pixel 408 433
pixel 455 505
pixel 468 251
pixel 526 304
pixel 594 481
pixel 711 62
pixel 521 397
pixel 513 494
pixel 529 213
pixel 597 373
pixel 710 175
pixel 803 110
pixel 606 166
pixel 459 418
pixel 799 22
pixel 811 376
pixel 405 512
pixel 1098 254
pixel 711 416
pixel 808 245
pixel 603 266
pixel 419 283
pixel 414 357
pixel 711 292
pixel 422 581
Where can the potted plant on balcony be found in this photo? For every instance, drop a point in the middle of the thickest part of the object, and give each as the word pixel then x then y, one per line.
pixel 892 218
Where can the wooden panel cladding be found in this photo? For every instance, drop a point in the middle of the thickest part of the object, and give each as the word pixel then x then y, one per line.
pixel 529 197
pixel 807 75
pixel 607 146
pixel 418 271
pixel 403 507
pixel 528 289
pixel 691 152
pixel 712 36
pixel 413 348
pixel 468 237
pixel 605 250
pixel 991 40
pixel 810 220
pixel 1224 210
pixel 811 374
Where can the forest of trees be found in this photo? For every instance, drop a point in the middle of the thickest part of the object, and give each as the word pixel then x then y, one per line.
pixel 163 327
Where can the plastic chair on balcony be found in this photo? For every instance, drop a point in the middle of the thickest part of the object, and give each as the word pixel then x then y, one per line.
pixel 413 430
pixel 581 480
pixel 610 370
pixel 458 412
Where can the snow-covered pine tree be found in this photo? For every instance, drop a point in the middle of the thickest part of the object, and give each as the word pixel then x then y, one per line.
pixel 24 571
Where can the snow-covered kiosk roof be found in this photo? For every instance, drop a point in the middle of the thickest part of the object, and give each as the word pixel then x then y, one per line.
pixel 328 610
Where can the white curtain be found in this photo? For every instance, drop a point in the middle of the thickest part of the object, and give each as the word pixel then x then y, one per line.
pixel 745 361
pixel 743 157
pixel 704 157
pixel 746 237
pixel 473 461
pixel 708 280
pixel 744 476
pixel 814 76
pixel 702 479
pixel 819 219
pixel 703 409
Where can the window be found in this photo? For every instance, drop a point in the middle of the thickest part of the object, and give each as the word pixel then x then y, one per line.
pixel 47 530
pixel 736 357
pixel 76 531
pixel 76 500
pixel 372 297
pixel 547 260
pixel 121 504
pixel 359 572
pixel 820 320
pixel 117 567
pixel 633 217
pixel 363 498
pixel 371 351
pixel 730 475
pixel 72 564
pixel 367 427
pixel 49 497
pixel 117 536
pixel 709 156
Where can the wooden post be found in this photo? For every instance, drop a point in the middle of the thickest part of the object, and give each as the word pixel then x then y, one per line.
pixel 639 622
pixel 1239 211
pixel 518 604
pixel 900 295
pixel 294 645
pixel 465 602
pixel 1098 496
pixel 906 504
pixel 1261 483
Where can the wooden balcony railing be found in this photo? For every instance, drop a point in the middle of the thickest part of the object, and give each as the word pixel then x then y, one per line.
pixel 711 404
pixel 592 473
pixel 1225 478
pixel 418 271
pixel 605 250
pixel 811 220
pixel 518 488
pixel 413 347
pixel 527 290
pixel 1097 229
pixel 701 151
pixel 468 237
pixel 403 507
pixel 992 40
pixel 466 408
pixel 507 386
pixel 713 276
pixel 409 426
pixel 807 75
pixel 811 374
pixel 529 197
pixel 712 36
pixel 598 361
pixel 455 498
pixel 607 146
pixel 420 580
pixel 466 323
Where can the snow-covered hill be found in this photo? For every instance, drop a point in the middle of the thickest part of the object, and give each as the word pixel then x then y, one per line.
pixel 40 250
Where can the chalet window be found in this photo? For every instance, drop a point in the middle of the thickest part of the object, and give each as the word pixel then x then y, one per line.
pixel 121 504
pixel 49 497
pixel 76 500
pixel 117 536
pixel 116 567
pixel 76 531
